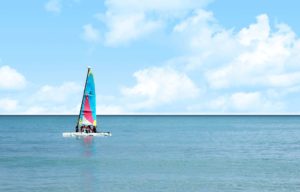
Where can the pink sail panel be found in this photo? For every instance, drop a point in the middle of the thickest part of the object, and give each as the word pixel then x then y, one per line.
pixel 87 112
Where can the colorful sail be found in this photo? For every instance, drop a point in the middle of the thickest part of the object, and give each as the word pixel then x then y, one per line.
pixel 87 115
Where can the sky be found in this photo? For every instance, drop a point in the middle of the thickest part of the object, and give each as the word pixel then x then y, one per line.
pixel 150 56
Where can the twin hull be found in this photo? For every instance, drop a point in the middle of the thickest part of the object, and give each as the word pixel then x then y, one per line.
pixel 82 134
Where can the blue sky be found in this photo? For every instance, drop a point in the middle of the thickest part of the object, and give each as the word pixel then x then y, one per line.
pixel 150 56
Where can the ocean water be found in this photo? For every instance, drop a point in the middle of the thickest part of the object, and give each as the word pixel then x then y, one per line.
pixel 152 154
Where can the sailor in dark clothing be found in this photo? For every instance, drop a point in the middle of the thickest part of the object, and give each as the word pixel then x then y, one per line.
pixel 76 128
pixel 82 129
pixel 94 129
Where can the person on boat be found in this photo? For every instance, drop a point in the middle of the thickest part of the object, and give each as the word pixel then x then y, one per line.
pixel 76 128
pixel 82 129
pixel 89 129
pixel 94 129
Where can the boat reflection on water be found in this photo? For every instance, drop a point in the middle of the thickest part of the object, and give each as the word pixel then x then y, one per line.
pixel 88 148
pixel 89 180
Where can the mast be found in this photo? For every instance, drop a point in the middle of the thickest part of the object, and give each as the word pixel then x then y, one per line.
pixel 83 96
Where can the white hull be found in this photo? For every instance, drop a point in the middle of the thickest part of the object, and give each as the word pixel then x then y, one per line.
pixel 82 134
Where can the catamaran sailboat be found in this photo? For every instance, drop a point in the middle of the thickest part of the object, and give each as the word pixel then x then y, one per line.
pixel 87 119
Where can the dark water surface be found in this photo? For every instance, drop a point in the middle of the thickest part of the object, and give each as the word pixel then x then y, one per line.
pixel 151 154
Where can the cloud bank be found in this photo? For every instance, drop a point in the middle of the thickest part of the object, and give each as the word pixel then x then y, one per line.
pixel 216 69
pixel 249 70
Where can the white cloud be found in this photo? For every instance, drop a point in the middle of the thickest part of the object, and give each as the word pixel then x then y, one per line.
pixel 127 21
pixel 127 27
pixel 242 101
pixel 11 79
pixel 234 66
pixel 197 30
pixel 253 56
pixel 53 6
pixel 205 42
pixel 156 86
pixel 284 80
pixel 218 104
pixel 48 99
pixel 91 34
pixel 253 69
pixel 260 61
pixel 199 20
pixel 58 94
pixel 254 102
pixel 255 32
pixel 109 109
pixel 256 58
pixel 7 104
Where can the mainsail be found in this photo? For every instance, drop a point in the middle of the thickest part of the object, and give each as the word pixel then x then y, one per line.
pixel 87 115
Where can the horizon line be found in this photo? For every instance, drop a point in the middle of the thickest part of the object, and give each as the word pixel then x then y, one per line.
pixel 164 114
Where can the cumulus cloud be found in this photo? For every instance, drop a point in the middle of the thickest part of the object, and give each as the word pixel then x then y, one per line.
pixel 288 79
pixel 262 60
pixel 255 32
pixel 254 102
pixel 157 86
pixel 59 93
pixel 252 69
pixel 229 63
pixel 254 56
pixel 53 6
pixel 49 99
pixel 127 27
pixel 11 78
pixel 255 67
pixel 8 104
pixel 127 21
pixel 91 34
pixel 258 57
pixel 201 19
pixel 206 44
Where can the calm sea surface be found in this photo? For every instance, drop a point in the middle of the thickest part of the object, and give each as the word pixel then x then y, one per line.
pixel 152 154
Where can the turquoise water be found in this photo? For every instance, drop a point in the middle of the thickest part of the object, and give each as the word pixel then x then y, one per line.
pixel 152 154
